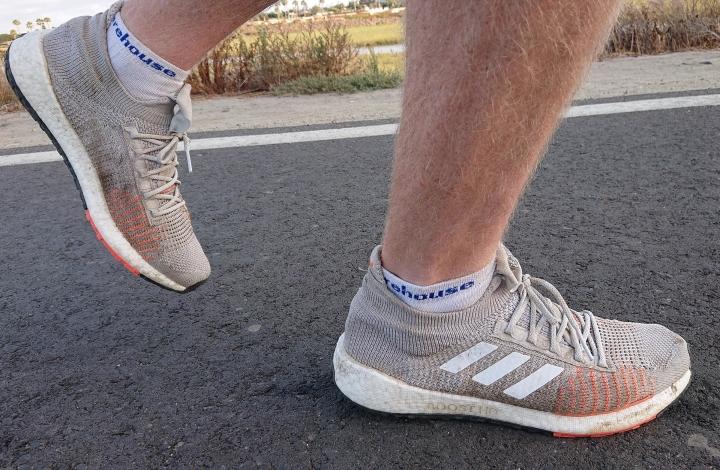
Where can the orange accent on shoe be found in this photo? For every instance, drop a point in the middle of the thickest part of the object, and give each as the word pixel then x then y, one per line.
pixel 595 394
pixel 606 388
pixel 604 434
pixel 616 383
pixel 107 246
pixel 648 383
pixel 638 393
pixel 643 382
pixel 581 381
pixel 572 395
pixel 614 410
pixel 559 399
pixel 625 374
pixel 131 219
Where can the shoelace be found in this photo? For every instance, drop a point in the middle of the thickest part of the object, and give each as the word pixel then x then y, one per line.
pixel 564 324
pixel 163 152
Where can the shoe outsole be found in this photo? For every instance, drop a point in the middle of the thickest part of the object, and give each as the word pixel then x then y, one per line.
pixel 29 108
pixel 380 393
pixel 505 424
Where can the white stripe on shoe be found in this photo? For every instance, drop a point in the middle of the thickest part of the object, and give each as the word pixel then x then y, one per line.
pixel 534 381
pixel 501 368
pixel 468 357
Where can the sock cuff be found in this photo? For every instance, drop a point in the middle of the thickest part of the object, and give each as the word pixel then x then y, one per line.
pixel 446 296
pixel 119 32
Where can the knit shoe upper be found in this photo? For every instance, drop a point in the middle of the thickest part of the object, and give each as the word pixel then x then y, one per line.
pixel 132 146
pixel 519 344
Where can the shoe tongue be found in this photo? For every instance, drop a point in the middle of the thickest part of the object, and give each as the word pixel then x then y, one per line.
pixel 181 121
pixel 182 118
pixel 180 124
pixel 181 108
pixel 509 267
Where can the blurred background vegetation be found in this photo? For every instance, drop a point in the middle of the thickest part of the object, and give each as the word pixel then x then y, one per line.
pixel 293 49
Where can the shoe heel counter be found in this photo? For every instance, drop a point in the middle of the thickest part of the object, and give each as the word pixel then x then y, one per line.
pixel 368 334
pixel 75 49
pixel 383 333
pixel 61 47
pixel 356 324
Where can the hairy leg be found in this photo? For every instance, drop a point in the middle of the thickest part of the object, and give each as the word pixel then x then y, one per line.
pixel 183 31
pixel 486 84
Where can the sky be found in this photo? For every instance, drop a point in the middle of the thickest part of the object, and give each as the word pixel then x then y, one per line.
pixel 61 10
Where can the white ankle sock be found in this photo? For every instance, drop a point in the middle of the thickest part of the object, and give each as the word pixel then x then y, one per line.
pixel 447 296
pixel 144 74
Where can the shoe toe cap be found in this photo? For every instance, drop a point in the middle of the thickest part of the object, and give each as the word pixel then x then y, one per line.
pixel 186 265
pixel 675 359
pixel 679 357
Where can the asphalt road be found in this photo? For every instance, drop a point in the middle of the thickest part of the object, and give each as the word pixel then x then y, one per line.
pixel 99 369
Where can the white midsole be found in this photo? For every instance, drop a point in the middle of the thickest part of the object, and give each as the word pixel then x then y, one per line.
pixel 29 68
pixel 378 391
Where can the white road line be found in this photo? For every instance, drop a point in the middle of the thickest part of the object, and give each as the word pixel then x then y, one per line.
pixel 389 129
pixel 643 105
pixel 293 137
pixel 28 158
pixel 235 142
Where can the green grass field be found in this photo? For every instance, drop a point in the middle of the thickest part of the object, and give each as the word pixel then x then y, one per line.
pixel 377 35
pixel 362 81
pixel 373 73
pixel 392 63
pixel 364 36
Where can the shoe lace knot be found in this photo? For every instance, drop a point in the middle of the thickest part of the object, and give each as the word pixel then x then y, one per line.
pixel 161 151
pixel 579 330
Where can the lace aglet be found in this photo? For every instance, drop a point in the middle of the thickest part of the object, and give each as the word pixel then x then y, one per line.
pixel 187 155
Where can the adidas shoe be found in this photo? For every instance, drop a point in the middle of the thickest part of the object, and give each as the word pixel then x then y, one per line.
pixel 121 152
pixel 518 355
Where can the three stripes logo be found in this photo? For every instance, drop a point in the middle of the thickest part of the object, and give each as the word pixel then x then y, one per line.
pixel 499 369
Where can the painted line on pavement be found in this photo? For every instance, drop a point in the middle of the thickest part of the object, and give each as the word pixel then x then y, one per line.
pixel 388 129
pixel 643 105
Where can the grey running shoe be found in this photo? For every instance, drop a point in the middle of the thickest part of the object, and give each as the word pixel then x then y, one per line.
pixel 518 355
pixel 121 152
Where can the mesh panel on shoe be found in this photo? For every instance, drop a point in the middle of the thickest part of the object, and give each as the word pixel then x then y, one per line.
pixel 177 229
pixel 635 344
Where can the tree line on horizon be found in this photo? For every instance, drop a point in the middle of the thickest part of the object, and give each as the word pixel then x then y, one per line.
pixel 42 23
